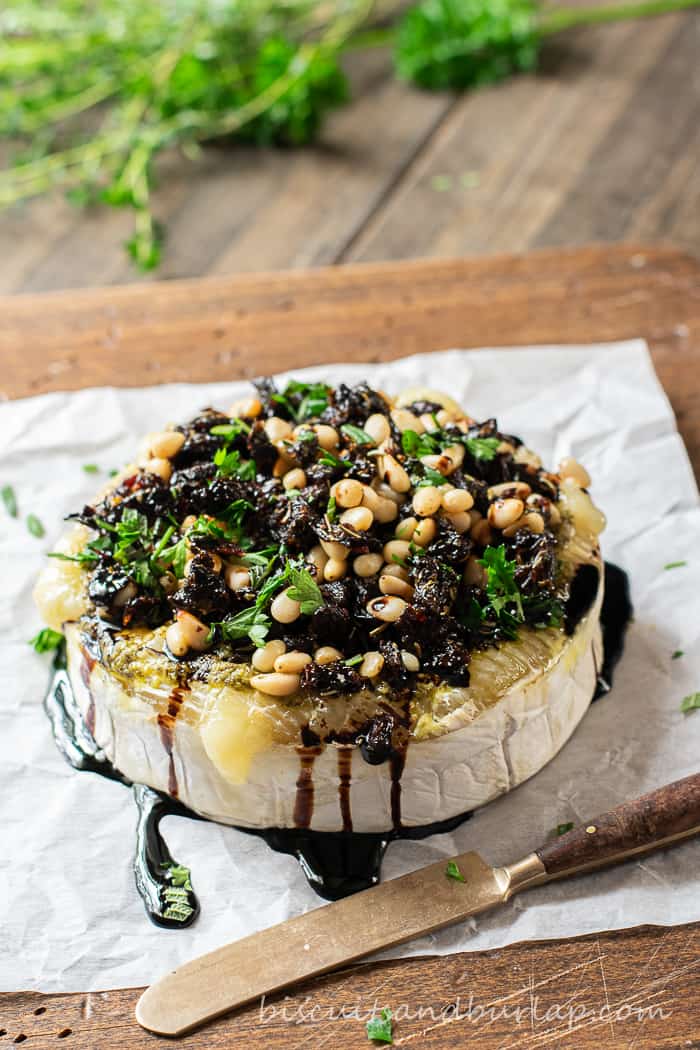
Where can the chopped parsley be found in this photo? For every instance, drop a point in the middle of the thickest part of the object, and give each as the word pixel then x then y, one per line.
pixel 35 526
pixel 561 829
pixel 46 640
pixel 379 1028
pixel 229 464
pixel 9 499
pixel 419 445
pixel 176 894
pixel 690 703
pixel 352 661
pixel 675 565
pixel 91 468
pixel 251 623
pixel 481 448
pixel 330 460
pixel 303 400
pixel 332 510
pixel 430 477
pixel 357 434
pixel 230 431
pixel 506 605
pixel 452 871
pixel 676 654
pixel 304 590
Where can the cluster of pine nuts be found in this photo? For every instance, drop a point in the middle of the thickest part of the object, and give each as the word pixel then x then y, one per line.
pixel 390 497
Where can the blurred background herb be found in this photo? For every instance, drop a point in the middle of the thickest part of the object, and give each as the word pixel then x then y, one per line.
pixel 92 92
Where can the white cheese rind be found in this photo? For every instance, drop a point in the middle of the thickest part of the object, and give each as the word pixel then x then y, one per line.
pixel 478 759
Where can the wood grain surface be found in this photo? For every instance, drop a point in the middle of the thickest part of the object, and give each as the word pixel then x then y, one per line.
pixel 602 144
pixel 635 989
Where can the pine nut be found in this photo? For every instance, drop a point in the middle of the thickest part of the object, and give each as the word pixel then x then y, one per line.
pixel 444 416
pixel 410 662
pixel 318 558
pixel 571 468
pixel 335 569
pixel 348 492
pixel 455 453
pixel 264 659
pixel 285 609
pixel 394 474
pixel 327 654
pixel 358 518
pixel 246 408
pixel 280 468
pixel 377 426
pixel 398 571
pixel 527 457
pixel 167 444
pixel 442 464
pixel 294 479
pixel 474 516
pixel 277 429
pixel 474 574
pixel 335 550
pixel 386 511
pixel 396 549
pixel 327 436
pixel 457 500
pixel 394 585
pixel 237 578
pixel 545 507
pixel 427 500
pixel 168 582
pixel 372 664
pixel 503 512
pixel 389 608
pixel 128 591
pixel 275 684
pixel 175 639
pixel 509 490
pixel 531 520
pixel 462 521
pixel 425 532
pixel 406 420
pixel 193 631
pixel 505 448
pixel 428 421
pixel 189 521
pixel 386 492
pixel 370 499
pixel 162 467
pixel 405 529
pixel 481 533
pixel 367 564
pixel 293 662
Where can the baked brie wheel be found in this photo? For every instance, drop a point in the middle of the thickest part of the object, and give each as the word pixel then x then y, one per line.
pixel 329 609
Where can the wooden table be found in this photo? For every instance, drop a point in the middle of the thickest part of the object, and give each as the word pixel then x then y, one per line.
pixel 634 989
pixel 602 145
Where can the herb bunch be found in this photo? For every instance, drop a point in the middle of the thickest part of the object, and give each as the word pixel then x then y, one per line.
pixel 92 94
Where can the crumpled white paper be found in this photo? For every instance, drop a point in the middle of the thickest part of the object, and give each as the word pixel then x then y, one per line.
pixel 70 917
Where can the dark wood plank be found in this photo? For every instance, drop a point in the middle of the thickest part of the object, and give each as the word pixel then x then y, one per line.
pixel 639 988
pixel 572 155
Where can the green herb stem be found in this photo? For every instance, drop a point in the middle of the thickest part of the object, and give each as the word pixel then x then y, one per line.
pixel 559 19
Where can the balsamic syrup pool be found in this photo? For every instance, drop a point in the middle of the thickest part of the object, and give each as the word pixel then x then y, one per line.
pixel 335 864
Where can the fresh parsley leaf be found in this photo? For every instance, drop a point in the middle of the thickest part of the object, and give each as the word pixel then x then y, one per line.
pixel 430 477
pixel 691 703
pixel 180 876
pixel 35 526
pixel 452 871
pixel 561 829
pixel 675 565
pixel 417 445
pixel 229 464
pixel 676 655
pixel 357 434
pixel 9 499
pixel 482 448
pixel 91 468
pixel 501 587
pixel 304 590
pixel 330 460
pixel 174 557
pixel 46 640
pixel 332 510
pixel 230 431
pixel 303 400
pixel 379 1028
pixel 113 472
pixel 354 660
pixel 251 623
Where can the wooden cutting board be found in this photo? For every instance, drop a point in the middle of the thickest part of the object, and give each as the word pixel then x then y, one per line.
pixel 639 988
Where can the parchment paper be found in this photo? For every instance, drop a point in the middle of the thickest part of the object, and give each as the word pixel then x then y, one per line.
pixel 70 918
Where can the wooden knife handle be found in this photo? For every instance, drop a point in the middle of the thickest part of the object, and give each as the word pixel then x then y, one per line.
pixel 669 813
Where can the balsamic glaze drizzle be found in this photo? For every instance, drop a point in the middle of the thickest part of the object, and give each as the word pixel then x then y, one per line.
pixel 335 864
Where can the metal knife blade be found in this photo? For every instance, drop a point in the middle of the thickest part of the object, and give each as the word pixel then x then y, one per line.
pixel 323 939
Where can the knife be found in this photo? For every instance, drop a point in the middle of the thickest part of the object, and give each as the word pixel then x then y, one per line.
pixel 401 909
